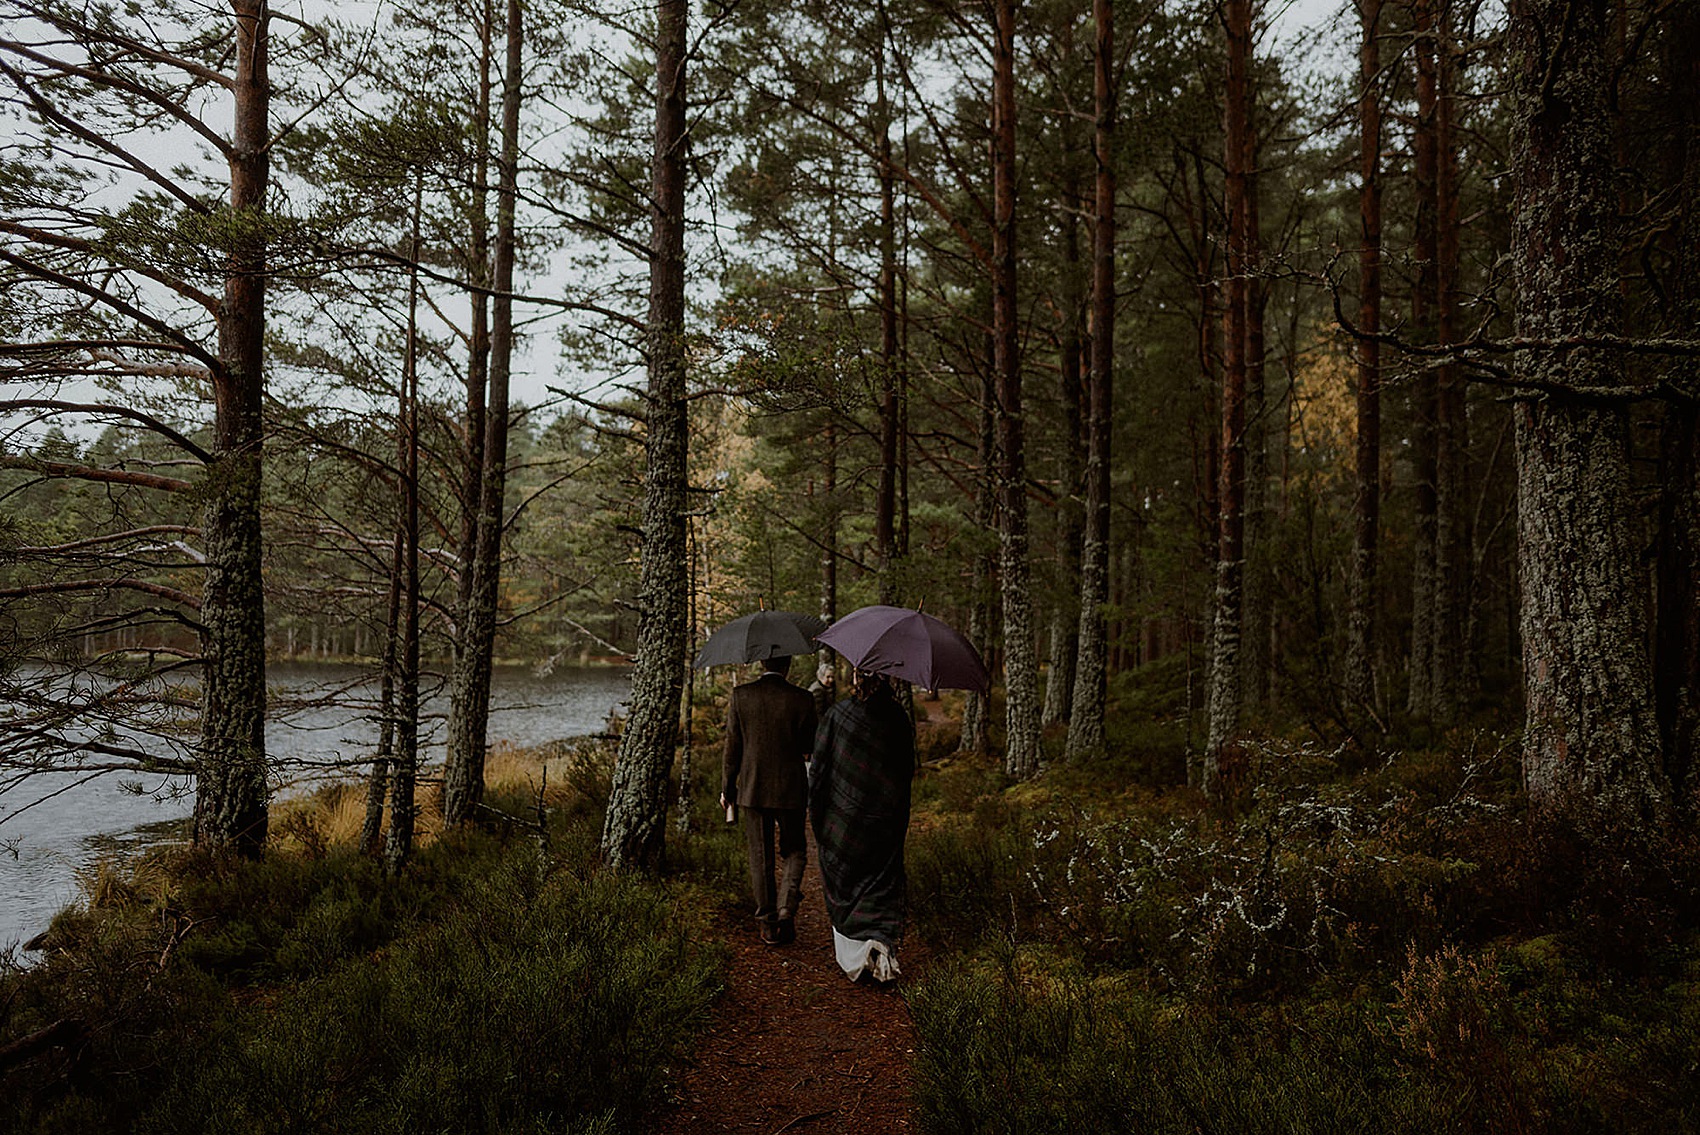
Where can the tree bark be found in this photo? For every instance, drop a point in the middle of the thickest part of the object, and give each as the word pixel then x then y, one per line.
pixel 634 827
pixel 1677 628
pixel 231 790
pixel 1086 723
pixel 1361 618
pixel 469 719
pixel 1211 324
pixel 398 843
pixel 829 533
pixel 1425 589
pixel 885 510
pixel 1254 642
pixel 1021 679
pixel 1225 660
pixel 1454 535
pixel 976 726
pixel 1063 637
pixel 378 784
pixel 478 352
pixel 1591 753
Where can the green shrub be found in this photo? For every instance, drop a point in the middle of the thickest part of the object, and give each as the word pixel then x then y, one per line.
pixel 966 882
pixel 545 1001
pixel 1006 1051
pixel 490 989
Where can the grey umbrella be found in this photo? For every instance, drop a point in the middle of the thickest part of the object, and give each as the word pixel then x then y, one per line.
pixel 764 634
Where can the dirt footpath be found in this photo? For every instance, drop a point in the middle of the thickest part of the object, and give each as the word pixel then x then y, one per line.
pixel 794 1046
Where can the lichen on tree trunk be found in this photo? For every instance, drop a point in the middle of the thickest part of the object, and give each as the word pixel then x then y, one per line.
pixel 1591 754
pixel 463 773
pixel 1225 661
pixel 231 789
pixel 1021 677
pixel 1086 722
pixel 635 824
pixel 1360 677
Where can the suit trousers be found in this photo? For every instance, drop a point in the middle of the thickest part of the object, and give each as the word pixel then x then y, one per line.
pixel 760 826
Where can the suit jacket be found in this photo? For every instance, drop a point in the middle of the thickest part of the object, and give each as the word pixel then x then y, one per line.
pixel 770 732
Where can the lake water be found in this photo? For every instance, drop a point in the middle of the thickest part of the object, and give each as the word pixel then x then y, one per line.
pixel 323 719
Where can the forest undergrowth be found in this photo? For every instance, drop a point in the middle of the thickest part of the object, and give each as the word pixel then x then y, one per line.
pixel 1365 943
pixel 501 984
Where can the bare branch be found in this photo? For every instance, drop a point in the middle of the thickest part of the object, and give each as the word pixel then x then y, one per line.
pixel 61 587
pixel 48 111
pixel 429 272
pixel 147 420
pixel 77 244
pixel 94 473
pixel 147 94
pixel 42 272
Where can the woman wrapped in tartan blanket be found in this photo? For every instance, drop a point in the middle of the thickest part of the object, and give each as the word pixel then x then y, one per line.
pixel 859 781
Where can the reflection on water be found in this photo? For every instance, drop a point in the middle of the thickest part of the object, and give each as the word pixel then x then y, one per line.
pixel 324 726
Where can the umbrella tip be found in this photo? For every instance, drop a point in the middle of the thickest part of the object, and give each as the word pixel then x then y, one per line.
pixel 921 605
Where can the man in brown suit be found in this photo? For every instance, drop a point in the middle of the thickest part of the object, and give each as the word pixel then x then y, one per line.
pixel 770 732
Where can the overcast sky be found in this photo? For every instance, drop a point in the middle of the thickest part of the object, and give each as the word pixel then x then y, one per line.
pixel 1292 27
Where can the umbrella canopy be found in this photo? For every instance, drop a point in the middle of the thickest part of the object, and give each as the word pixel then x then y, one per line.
pixel 909 645
pixel 765 634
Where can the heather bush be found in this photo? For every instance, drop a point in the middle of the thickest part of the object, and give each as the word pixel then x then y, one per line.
pixel 1372 942
pixel 546 1000
pixel 1018 1042
pixel 491 988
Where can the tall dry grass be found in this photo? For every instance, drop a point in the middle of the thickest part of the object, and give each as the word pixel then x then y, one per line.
pixel 567 774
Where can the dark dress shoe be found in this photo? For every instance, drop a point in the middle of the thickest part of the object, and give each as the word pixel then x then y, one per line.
pixel 771 936
pixel 787 931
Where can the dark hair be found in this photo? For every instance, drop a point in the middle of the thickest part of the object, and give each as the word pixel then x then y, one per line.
pixel 870 685
pixel 778 664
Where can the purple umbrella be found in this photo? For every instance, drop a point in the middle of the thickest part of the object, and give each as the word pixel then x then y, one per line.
pixel 909 645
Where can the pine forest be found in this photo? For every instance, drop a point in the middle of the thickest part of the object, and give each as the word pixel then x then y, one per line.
pixel 1295 406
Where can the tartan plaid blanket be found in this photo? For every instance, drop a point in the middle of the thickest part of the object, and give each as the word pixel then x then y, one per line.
pixel 859 784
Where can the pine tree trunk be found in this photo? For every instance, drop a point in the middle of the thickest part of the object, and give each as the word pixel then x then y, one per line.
pixel 1454 556
pixel 469 719
pixel 682 818
pixel 976 728
pixel 1254 643
pixel 1021 679
pixel 231 790
pixel 398 842
pixel 1086 723
pixel 829 535
pixel 377 785
pixel 885 512
pixel 470 488
pixel 1677 629
pixel 1425 396
pixel 634 827
pixel 1223 715
pixel 1211 323
pixel 1591 754
pixel 463 663
pixel 1063 638
pixel 1361 628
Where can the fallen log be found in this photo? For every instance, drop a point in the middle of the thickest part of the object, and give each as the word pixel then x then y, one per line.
pixel 60 1034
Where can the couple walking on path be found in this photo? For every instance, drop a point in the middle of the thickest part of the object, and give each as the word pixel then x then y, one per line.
pixel 847 773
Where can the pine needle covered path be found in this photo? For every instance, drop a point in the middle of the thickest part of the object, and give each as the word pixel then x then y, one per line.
pixel 793 1046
